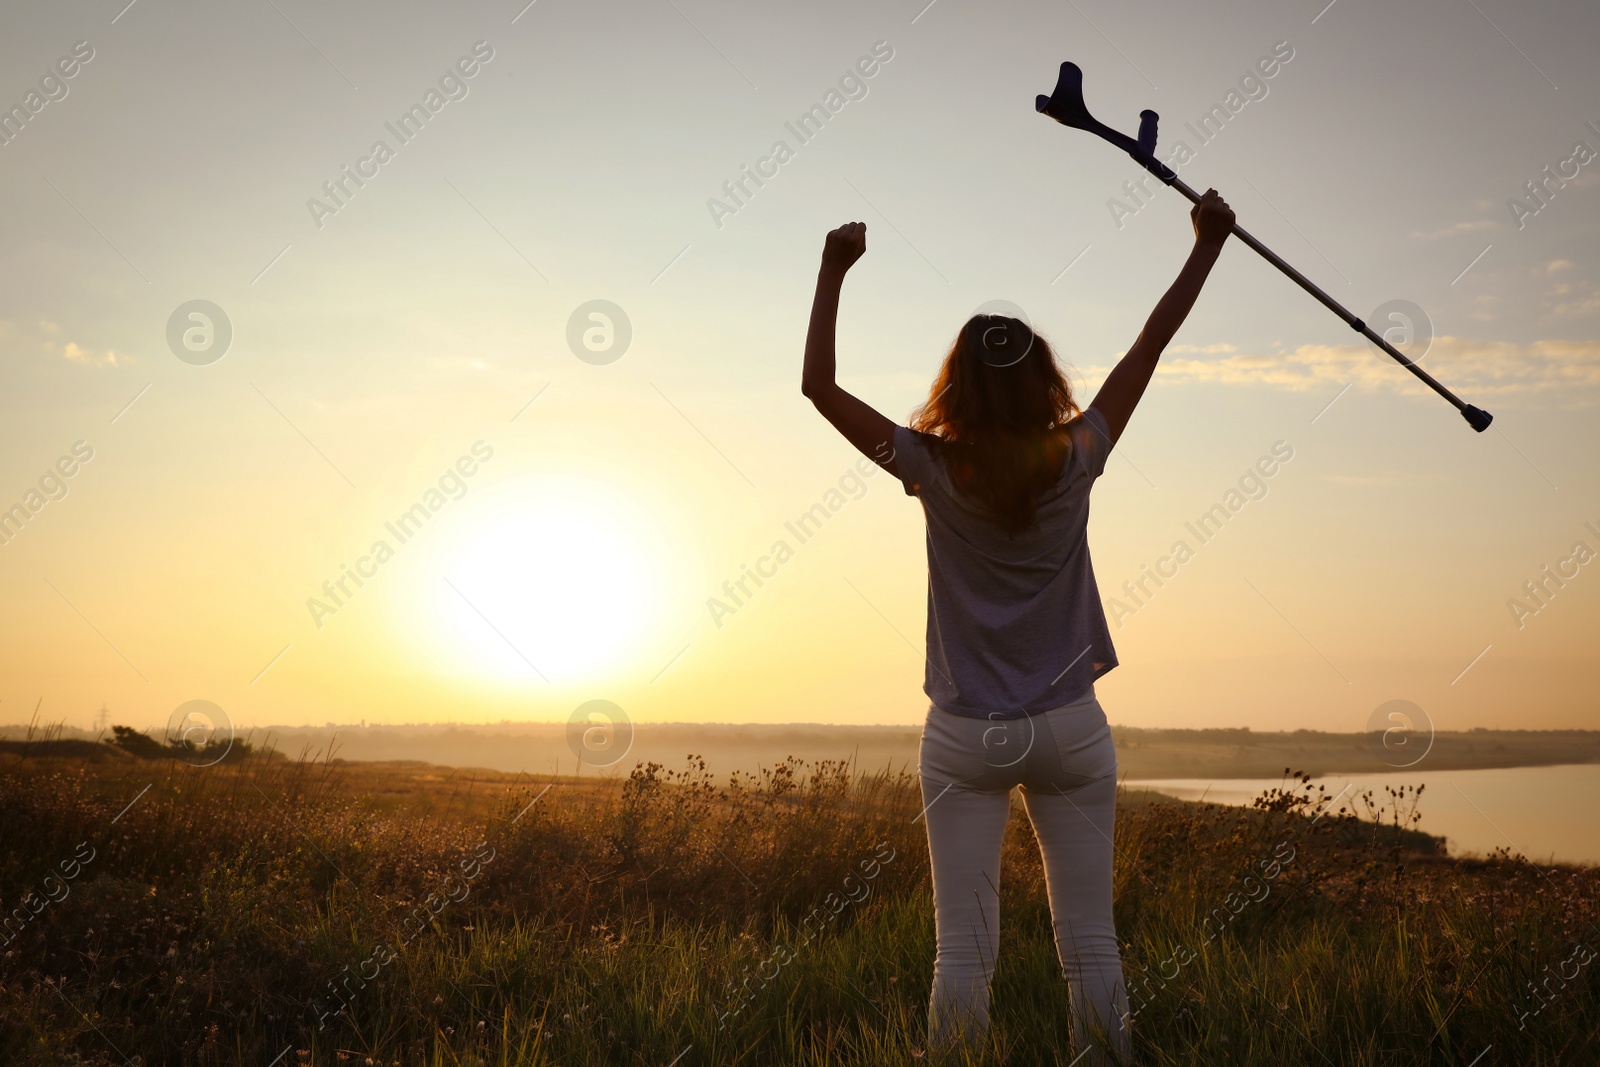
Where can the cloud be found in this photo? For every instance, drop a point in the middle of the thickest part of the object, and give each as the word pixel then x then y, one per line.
pixel 1453 229
pixel 1483 307
pixel 1570 297
pixel 72 352
pixel 1208 350
pixel 1579 304
pixel 1468 366
pixel 48 337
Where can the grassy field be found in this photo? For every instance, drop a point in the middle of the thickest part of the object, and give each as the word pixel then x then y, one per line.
pixel 277 913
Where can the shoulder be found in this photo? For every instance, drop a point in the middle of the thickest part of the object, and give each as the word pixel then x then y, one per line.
pixel 1091 438
pixel 916 457
pixel 1090 420
pixel 915 440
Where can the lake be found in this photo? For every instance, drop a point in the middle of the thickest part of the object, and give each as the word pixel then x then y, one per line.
pixel 1543 813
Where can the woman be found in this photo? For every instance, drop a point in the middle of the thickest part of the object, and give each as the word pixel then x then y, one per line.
pixel 1002 459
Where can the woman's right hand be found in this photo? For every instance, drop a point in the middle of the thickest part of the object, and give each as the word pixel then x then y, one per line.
pixel 1212 218
pixel 843 247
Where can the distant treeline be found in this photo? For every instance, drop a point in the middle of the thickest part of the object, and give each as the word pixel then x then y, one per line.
pixel 126 742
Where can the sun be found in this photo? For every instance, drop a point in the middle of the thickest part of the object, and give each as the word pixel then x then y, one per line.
pixel 558 581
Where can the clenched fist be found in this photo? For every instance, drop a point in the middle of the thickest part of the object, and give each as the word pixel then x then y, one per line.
pixel 1212 218
pixel 843 247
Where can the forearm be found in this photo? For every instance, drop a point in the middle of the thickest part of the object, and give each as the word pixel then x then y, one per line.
pixel 861 425
pixel 1179 298
pixel 1127 381
pixel 820 358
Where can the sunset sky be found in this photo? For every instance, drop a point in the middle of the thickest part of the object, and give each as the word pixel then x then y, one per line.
pixel 389 340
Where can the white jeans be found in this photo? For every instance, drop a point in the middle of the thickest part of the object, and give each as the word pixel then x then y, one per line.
pixel 1067 767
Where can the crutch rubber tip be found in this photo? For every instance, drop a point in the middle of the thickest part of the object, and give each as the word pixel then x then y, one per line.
pixel 1477 418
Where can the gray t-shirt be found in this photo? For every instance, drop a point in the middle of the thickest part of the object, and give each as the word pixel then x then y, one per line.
pixel 1015 624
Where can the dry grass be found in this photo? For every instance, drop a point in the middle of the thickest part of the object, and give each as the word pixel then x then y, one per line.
pixel 402 914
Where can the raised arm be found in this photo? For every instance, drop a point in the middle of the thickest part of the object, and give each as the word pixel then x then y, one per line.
pixel 869 431
pixel 1213 221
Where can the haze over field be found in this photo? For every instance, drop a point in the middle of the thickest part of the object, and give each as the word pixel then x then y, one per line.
pixel 404 370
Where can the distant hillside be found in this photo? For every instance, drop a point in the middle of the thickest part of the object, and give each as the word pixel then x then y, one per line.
pixel 1247 754
pixel 543 748
pixel 78 749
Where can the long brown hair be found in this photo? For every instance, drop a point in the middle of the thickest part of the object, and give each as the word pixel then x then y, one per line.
pixel 998 405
